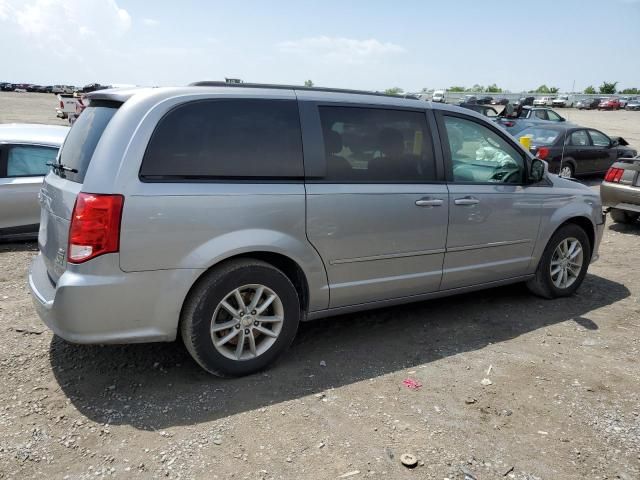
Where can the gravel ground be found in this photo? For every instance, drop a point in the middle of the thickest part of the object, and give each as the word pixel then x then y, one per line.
pixel 29 108
pixel 513 387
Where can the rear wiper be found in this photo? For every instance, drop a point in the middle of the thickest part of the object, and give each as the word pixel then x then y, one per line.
pixel 60 166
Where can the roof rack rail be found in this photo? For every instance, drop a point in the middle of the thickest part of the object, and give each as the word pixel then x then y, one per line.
pixel 214 83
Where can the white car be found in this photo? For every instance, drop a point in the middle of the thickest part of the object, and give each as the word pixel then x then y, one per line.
pixel 25 151
pixel 563 101
pixel 543 102
pixel 438 96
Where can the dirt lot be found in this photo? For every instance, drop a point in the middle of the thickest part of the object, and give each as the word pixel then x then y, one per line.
pixel 562 400
pixel 29 108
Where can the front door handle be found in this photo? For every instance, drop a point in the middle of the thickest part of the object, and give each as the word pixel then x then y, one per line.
pixel 466 201
pixel 429 202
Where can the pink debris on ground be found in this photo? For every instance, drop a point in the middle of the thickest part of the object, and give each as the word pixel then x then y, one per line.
pixel 411 383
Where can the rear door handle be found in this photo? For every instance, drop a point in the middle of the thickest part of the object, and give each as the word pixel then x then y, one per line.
pixel 466 201
pixel 429 202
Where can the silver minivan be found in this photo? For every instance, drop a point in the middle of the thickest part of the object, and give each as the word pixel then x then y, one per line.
pixel 228 214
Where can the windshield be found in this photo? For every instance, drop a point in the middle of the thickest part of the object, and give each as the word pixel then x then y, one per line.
pixel 540 136
pixel 82 139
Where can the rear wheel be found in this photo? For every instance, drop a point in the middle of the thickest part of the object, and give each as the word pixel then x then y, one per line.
pixel 566 171
pixel 563 264
pixel 240 318
pixel 620 216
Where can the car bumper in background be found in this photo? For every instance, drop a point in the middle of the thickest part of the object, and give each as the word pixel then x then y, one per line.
pixel 621 197
pixel 112 307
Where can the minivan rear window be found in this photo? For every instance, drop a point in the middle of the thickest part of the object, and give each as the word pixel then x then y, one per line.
pixel 235 139
pixel 83 137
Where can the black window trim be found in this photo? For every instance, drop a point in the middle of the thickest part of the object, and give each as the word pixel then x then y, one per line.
pixel 311 108
pixel 4 157
pixel 446 152
pixel 588 130
pixel 222 178
pixel 580 130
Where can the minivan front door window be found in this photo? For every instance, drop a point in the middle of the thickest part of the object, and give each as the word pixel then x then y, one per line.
pixel 479 155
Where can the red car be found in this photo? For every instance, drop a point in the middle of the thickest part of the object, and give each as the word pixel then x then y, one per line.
pixel 609 104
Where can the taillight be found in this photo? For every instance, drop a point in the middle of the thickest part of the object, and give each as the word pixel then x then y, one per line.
pixel 543 153
pixel 508 123
pixel 95 226
pixel 614 175
pixel 61 105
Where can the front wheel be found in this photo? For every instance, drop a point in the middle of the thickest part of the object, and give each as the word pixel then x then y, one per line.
pixel 563 264
pixel 240 317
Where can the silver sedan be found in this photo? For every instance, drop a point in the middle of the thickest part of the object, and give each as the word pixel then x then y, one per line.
pixel 25 151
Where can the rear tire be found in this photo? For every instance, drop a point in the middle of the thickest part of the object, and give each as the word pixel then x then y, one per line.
pixel 620 216
pixel 567 170
pixel 255 329
pixel 545 284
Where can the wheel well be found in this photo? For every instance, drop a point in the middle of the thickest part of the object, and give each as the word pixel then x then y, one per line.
pixel 283 263
pixel 587 226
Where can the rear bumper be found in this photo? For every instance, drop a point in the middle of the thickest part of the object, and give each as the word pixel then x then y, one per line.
pixel 113 306
pixel 622 197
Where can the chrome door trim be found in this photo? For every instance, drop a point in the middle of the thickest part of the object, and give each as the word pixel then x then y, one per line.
pixel 387 256
pixel 489 245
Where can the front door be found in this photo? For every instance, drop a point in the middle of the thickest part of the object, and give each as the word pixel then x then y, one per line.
pixel 493 215
pixel 22 168
pixel 603 154
pixel 581 152
pixel 376 212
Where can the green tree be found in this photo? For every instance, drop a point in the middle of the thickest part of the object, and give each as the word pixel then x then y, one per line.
pixel 457 89
pixel 608 88
pixel 631 91
pixel 542 89
pixel 590 90
pixel 477 88
pixel 493 88
pixel 394 91
pixel 308 83
pixel 554 89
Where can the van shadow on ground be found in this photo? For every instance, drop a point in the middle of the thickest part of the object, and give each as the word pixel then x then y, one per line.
pixel 157 386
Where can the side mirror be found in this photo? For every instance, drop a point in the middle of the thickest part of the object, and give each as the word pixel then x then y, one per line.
pixel 614 143
pixel 539 170
pixel 562 119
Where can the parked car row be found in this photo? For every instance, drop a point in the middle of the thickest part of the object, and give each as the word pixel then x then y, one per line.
pixel 57 89
pixel 569 149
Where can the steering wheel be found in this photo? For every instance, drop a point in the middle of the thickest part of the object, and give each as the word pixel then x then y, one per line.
pixel 504 175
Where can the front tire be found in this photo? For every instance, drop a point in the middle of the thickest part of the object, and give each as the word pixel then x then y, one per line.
pixel 563 264
pixel 240 318
pixel 620 216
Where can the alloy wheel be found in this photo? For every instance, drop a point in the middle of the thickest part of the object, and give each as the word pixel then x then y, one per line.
pixel 566 263
pixel 566 172
pixel 247 322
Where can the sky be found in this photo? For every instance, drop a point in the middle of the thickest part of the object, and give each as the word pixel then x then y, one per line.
pixel 363 44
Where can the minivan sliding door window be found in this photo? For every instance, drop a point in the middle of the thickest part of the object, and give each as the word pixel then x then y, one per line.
pixel 370 145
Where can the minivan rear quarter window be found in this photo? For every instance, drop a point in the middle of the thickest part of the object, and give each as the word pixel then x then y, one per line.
pixel 226 139
pixel 83 137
